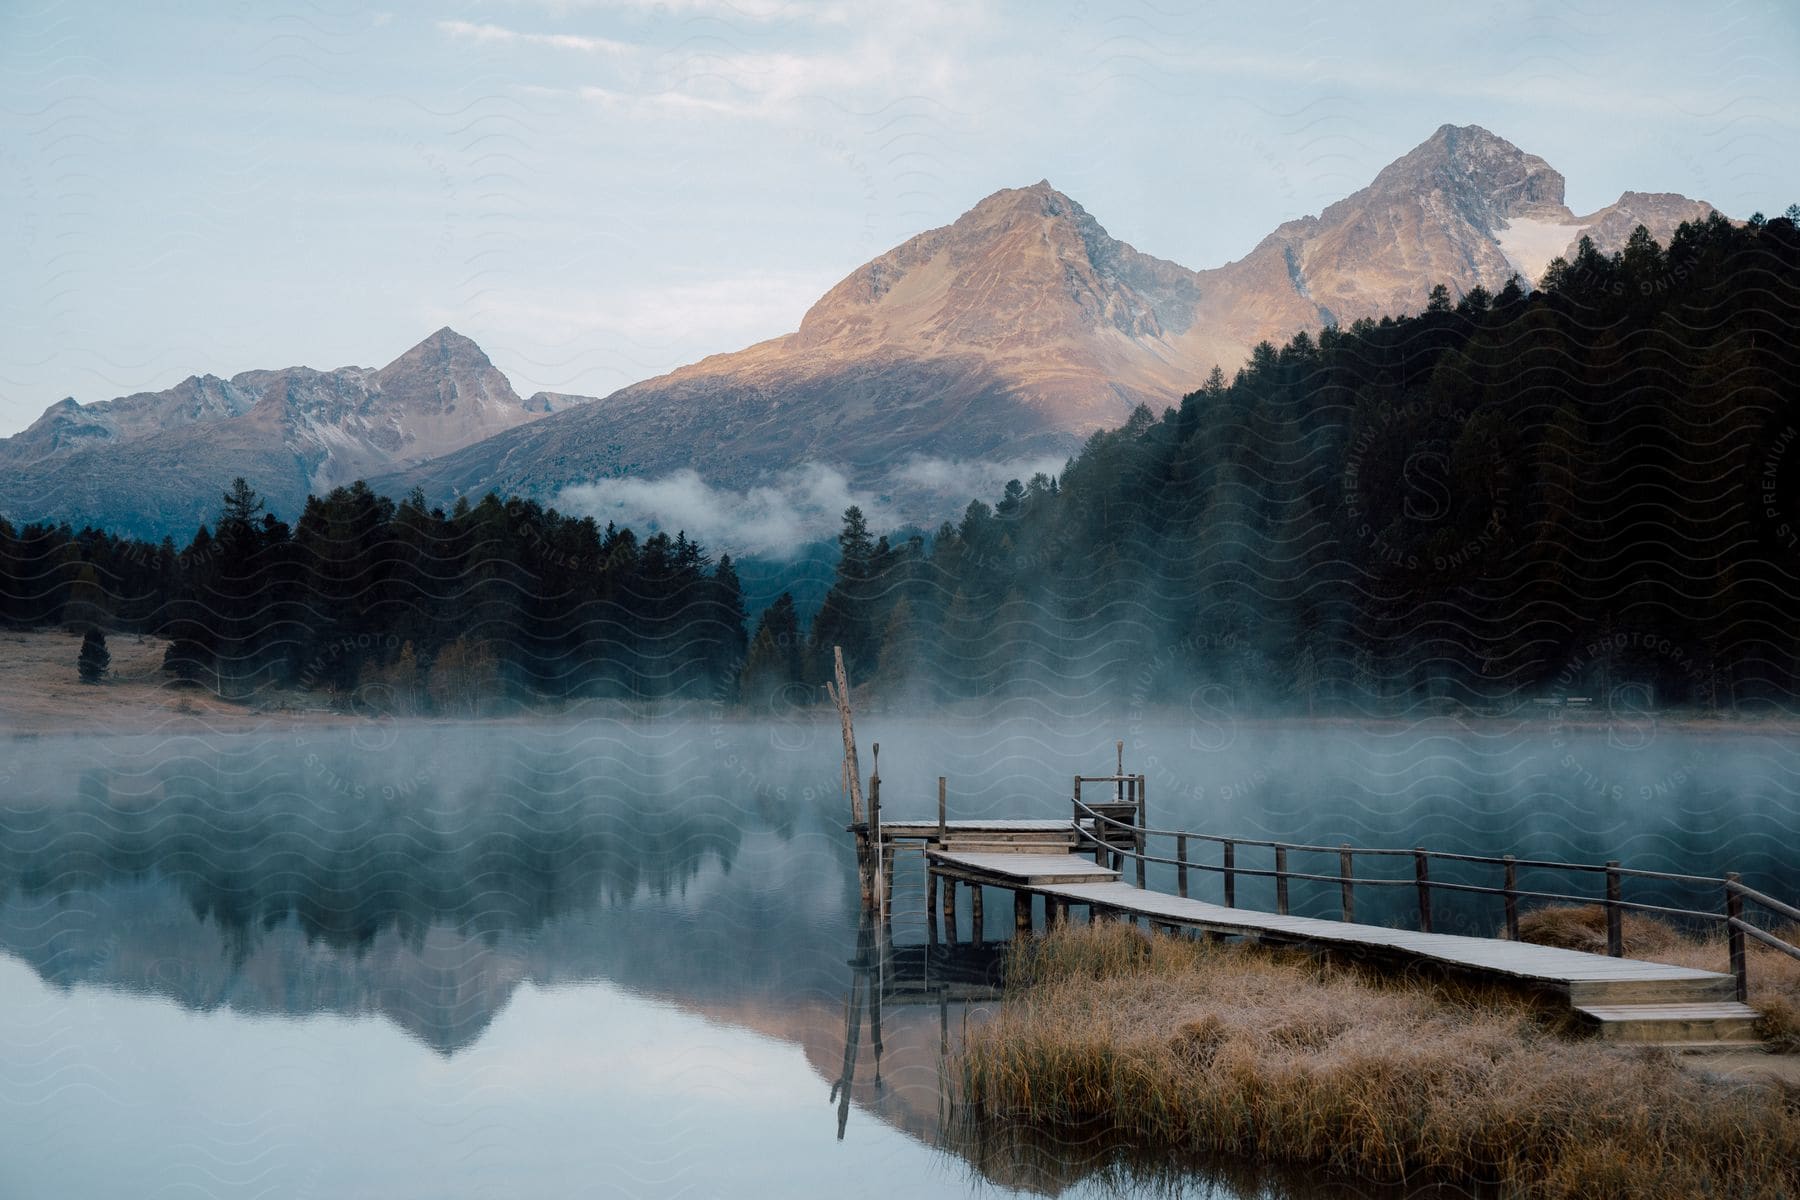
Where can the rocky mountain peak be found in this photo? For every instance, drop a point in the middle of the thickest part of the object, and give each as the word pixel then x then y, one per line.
pixel 444 351
pixel 444 373
pixel 1485 178
pixel 1037 201
pixel 1025 267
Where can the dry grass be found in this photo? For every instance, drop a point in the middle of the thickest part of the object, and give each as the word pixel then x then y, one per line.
pixel 1774 976
pixel 1184 1047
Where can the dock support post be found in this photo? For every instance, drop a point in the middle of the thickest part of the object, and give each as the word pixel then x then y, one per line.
pixel 1734 935
pixel 887 885
pixel 931 904
pixel 1615 917
pixel 1181 870
pixel 1021 912
pixel 1345 876
pixel 1230 874
pixel 1281 880
pixel 950 931
pixel 883 865
pixel 975 922
pixel 1422 874
pixel 1510 894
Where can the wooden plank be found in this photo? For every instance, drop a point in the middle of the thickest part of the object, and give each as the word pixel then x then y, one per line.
pixel 1548 964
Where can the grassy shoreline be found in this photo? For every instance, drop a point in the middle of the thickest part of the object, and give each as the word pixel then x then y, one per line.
pixel 41 696
pixel 1186 1048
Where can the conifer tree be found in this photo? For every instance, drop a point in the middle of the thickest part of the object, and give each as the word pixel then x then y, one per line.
pixel 92 663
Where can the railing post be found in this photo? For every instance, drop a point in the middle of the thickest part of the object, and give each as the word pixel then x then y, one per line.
pixel 1230 875
pixel 943 826
pixel 1181 870
pixel 1615 919
pixel 1281 881
pixel 1344 878
pixel 1139 842
pixel 1422 873
pixel 1510 896
pixel 1734 935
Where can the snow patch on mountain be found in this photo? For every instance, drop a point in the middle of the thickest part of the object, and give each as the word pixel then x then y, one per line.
pixel 1529 244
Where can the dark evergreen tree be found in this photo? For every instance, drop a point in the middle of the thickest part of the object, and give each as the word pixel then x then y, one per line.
pixel 92 662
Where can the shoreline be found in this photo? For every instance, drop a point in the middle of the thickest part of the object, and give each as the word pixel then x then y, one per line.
pixel 40 696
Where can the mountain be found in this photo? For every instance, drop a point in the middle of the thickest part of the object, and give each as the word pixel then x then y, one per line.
pixel 1023 327
pixel 155 462
pixel 1465 209
pixel 1006 337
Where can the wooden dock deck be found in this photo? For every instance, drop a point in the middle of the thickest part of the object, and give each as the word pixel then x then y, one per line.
pixel 1627 999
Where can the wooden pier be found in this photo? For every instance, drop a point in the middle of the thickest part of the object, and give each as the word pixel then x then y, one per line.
pixel 1080 863
pixel 1627 999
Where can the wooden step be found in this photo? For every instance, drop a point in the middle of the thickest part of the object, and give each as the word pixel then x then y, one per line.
pixel 1682 1026
pixel 1626 990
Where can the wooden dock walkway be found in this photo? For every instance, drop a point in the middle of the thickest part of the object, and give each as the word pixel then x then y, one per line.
pixel 1626 999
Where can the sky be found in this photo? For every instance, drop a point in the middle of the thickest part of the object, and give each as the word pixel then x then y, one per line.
pixel 598 191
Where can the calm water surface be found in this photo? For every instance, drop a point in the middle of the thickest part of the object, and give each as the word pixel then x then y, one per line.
pixel 624 959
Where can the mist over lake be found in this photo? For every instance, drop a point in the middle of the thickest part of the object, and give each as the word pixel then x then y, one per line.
pixel 407 959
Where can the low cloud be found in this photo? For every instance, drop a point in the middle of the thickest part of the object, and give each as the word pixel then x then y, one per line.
pixel 972 478
pixel 797 507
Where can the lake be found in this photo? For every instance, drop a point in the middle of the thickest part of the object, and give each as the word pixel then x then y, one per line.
pixel 622 958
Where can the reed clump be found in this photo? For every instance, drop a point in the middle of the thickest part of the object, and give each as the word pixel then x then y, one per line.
pixel 1583 927
pixel 1185 1047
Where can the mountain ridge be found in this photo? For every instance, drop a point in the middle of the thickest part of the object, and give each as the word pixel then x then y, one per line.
pixel 1012 333
pixel 161 458
pixel 1033 328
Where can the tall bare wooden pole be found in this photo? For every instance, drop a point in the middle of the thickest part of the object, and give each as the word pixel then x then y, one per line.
pixel 867 851
pixel 840 696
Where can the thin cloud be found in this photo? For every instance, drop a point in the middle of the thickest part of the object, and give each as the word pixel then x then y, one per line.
pixel 735 310
pixel 469 31
pixel 832 12
pixel 676 103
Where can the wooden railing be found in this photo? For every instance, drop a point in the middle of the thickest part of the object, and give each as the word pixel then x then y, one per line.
pixel 1130 839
